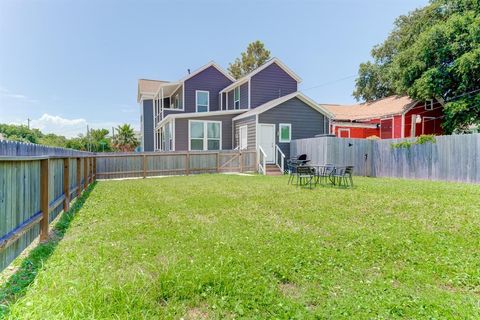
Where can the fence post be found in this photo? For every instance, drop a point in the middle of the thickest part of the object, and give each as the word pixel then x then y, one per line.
pixel 218 162
pixel 144 166
pixel 95 168
pixel 66 184
pixel 187 165
pixel 44 202
pixel 240 160
pixel 79 177
pixel 85 173
pixel 90 170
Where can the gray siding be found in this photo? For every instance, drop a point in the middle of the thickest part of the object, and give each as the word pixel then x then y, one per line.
pixel 147 125
pixel 306 122
pixel 210 80
pixel 269 84
pixel 250 122
pixel 181 131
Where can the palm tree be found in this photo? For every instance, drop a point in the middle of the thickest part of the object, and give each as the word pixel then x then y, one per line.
pixel 125 139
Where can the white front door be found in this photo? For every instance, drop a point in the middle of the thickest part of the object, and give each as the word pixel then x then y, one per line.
pixel 266 140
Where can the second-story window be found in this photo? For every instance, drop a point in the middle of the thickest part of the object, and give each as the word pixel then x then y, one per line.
pixel 202 100
pixel 176 101
pixel 236 98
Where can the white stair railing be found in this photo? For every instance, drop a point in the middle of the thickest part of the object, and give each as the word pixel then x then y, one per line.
pixel 280 160
pixel 262 159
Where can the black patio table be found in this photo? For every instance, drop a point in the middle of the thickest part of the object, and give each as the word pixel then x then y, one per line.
pixel 321 168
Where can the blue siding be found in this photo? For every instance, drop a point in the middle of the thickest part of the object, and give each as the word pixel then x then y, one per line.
pixel 209 79
pixel 271 83
pixel 147 125
pixel 306 122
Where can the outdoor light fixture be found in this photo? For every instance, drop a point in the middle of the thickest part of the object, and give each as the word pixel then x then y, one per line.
pixel 418 119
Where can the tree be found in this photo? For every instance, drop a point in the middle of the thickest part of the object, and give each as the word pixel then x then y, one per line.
pixel 432 52
pixel 125 139
pixel 255 56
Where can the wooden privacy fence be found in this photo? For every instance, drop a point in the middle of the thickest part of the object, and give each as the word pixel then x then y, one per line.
pixel 36 184
pixel 450 158
pixel 130 165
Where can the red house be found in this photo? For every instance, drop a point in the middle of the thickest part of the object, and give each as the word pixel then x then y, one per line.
pixel 387 118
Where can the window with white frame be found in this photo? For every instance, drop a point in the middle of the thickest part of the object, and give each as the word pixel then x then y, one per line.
pixel 236 98
pixel 243 143
pixel 284 132
pixel 176 101
pixel 202 99
pixel 205 135
pixel 429 104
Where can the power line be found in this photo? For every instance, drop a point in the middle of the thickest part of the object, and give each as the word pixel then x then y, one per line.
pixel 330 82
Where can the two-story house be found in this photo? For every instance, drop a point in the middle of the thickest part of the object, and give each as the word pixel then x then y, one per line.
pixel 210 110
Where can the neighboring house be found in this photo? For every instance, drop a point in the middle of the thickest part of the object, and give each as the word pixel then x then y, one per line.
pixel 209 110
pixel 387 118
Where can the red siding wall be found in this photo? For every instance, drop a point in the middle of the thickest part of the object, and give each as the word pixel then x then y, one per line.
pixel 391 127
pixel 431 120
pixel 356 132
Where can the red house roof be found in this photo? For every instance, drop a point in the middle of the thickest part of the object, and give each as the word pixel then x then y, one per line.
pixel 370 110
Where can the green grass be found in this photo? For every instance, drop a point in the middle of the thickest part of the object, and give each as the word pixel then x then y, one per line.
pixel 218 246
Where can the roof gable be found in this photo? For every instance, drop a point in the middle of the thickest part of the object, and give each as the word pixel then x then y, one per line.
pixel 273 103
pixel 205 67
pixel 248 76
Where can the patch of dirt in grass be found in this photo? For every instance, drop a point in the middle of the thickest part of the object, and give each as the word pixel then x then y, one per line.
pixel 290 290
pixel 196 313
pixel 204 219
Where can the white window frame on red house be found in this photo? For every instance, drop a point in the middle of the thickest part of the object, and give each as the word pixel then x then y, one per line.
pixel 423 122
pixel 343 130
pixel 393 126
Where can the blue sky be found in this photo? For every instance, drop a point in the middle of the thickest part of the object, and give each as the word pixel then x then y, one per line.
pixel 64 64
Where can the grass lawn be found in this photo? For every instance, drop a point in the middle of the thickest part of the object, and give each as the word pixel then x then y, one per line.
pixel 219 246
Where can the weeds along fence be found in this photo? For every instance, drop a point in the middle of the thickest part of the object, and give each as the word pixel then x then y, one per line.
pixel 130 165
pixel 36 184
pixel 449 158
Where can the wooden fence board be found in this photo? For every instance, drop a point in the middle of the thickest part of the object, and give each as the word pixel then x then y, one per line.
pixel 450 158
pixel 20 192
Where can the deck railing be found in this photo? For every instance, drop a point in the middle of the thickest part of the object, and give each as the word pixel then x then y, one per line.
pixel 262 159
pixel 280 158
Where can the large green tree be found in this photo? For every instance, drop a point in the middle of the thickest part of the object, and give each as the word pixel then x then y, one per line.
pixel 432 52
pixel 252 58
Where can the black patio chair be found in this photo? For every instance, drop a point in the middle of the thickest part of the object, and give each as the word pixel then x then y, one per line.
pixel 325 172
pixel 305 175
pixel 344 176
pixel 292 165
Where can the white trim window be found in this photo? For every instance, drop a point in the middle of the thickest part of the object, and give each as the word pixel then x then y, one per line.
pixel 243 137
pixel 202 100
pixel 204 135
pixel 429 104
pixel 236 98
pixel 284 132
pixel 176 101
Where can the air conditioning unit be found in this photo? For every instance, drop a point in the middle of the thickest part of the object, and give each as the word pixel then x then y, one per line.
pixel 429 104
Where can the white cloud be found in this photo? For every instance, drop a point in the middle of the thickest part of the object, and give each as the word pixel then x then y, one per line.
pixel 6 94
pixel 55 124
pixel 69 127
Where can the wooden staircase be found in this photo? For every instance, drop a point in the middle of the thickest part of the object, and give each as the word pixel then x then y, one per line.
pixel 273 170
